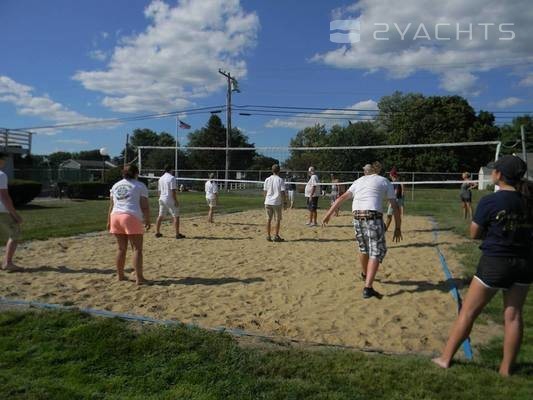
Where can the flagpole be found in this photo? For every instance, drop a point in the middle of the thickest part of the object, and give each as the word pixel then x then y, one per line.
pixel 176 149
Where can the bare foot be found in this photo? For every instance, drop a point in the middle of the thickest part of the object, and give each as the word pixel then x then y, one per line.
pixel 141 281
pixel 11 268
pixel 505 373
pixel 441 363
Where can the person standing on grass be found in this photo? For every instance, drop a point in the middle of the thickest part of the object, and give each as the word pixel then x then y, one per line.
pixel 466 195
pixel 291 189
pixel 400 197
pixel 274 190
pixel 312 193
pixel 505 222
pixel 168 202
pixel 10 221
pixel 211 196
pixel 367 194
pixel 128 211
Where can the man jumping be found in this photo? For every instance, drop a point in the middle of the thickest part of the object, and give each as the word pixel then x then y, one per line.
pixel 367 194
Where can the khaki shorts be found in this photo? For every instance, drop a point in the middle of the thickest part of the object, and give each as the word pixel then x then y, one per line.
pixel 273 212
pixel 168 208
pixel 212 203
pixel 9 229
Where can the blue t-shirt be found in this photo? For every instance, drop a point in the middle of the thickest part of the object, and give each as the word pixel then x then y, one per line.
pixel 506 232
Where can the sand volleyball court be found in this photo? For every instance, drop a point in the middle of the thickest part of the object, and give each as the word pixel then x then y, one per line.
pixel 228 275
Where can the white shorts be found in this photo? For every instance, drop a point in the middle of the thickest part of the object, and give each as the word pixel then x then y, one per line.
pixel 211 202
pixel 168 207
pixel 291 195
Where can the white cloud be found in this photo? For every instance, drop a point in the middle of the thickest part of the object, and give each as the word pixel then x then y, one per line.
pixel 27 104
pixel 99 55
pixel 300 121
pixel 177 57
pixel 73 141
pixel 456 62
pixel 507 102
pixel 527 80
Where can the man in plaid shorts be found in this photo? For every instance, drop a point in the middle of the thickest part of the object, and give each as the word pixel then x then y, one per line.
pixel 367 194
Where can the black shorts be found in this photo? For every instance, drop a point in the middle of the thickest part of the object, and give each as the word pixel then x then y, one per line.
pixel 504 272
pixel 312 203
pixel 466 198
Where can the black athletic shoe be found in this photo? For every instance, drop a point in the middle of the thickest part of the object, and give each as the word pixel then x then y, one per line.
pixel 180 236
pixel 370 292
pixel 158 235
pixel 269 239
pixel 278 239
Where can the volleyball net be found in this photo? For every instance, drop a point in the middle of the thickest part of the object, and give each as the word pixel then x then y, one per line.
pixel 242 168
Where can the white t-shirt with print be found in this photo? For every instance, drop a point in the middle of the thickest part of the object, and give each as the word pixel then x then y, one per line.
pixel 370 191
pixel 211 189
pixel 167 183
pixel 3 185
pixel 274 186
pixel 312 183
pixel 127 197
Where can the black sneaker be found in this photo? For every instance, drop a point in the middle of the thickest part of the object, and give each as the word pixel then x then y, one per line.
pixel 278 239
pixel 369 292
pixel 180 236
pixel 158 235
pixel 269 239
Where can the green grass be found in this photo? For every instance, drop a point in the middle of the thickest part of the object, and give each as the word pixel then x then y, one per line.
pixel 59 218
pixel 69 356
pixel 72 356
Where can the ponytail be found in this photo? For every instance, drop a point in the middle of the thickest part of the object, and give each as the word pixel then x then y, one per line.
pixel 130 172
pixel 525 187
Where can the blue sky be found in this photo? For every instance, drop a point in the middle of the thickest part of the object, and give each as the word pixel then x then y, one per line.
pixel 67 61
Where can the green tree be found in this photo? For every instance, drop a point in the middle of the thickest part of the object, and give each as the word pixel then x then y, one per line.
pixel 213 134
pixel 511 135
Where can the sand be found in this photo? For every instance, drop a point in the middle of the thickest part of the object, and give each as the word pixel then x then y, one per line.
pixel 228 275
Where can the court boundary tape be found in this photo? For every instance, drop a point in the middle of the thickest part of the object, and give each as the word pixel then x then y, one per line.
pixel 454 291
pixel 237 333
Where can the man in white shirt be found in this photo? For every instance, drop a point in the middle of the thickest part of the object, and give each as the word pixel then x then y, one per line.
pixel 211 195
pixel 312 193
pixel 274 190
pixel 9 221
pixel 168 202
pixel 367 194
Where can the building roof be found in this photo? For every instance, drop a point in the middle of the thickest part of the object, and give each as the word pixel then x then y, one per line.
pixel 86 164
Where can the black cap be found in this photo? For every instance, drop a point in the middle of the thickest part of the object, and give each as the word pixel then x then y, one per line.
pixel 513 168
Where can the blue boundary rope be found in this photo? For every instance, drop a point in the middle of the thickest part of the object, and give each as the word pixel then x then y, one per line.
pixel 467 347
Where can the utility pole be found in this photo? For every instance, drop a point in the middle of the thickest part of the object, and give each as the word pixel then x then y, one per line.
pixel 524 149
pixel 233 86
pixel 126 150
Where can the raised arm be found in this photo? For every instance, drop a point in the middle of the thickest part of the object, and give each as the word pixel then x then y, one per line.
pixel 335 206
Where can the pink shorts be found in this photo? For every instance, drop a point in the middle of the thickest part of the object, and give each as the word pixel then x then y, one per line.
pixel 126 224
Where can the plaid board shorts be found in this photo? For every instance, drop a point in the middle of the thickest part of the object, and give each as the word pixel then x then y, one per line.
pixel 370 236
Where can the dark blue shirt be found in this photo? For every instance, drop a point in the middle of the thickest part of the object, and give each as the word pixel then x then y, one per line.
pixel 506 232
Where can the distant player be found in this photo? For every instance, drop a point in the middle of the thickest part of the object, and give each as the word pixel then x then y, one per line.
pixel 291 188
pixel 400 199
pixel 335 192
pixel 168 202
pixel 211 196
pixel 275 201
pixel 466 195
pixel 312 193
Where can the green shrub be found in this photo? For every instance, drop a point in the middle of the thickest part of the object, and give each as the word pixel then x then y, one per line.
pixel 88 190
pixel 22 192
pixel 113 175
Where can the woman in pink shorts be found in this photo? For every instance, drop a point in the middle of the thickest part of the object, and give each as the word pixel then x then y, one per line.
pixel 129 215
